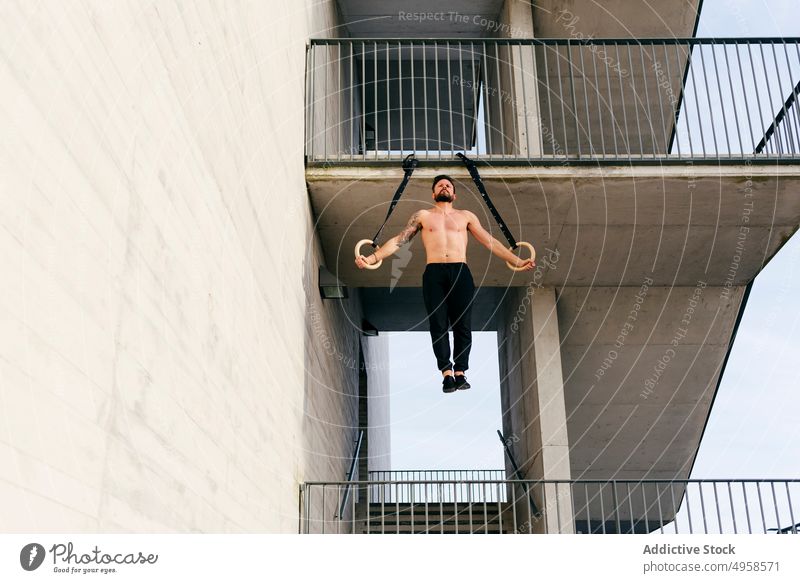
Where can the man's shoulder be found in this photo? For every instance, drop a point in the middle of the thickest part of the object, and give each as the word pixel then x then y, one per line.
pixel 418 218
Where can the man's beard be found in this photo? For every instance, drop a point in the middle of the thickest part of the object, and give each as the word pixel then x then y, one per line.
pixel 444 197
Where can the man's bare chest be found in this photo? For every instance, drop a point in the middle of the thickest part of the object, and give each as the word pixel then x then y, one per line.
pixel 450 223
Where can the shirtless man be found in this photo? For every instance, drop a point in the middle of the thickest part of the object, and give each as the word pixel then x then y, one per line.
pixel 447 285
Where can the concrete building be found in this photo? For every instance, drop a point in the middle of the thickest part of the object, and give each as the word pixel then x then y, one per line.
pixel 168 364
pixel 178 178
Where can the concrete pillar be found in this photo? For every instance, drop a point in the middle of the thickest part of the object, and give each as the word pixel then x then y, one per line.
pixel 377 422
pixel 520 96
pixel 532 396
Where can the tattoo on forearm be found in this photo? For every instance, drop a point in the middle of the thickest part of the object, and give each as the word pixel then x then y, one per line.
pixel 411 229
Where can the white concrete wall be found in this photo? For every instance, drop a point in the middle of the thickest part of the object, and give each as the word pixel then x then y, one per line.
pixel 159 261
pixel 331 365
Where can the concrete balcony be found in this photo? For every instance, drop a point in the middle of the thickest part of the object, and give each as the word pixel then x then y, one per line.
pixel 655 177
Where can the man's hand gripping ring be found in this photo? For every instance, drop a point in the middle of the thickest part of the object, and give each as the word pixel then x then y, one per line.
pixel 363 242
pixel 533 255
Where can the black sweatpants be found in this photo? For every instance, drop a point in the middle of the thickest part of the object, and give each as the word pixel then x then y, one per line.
pixel 448 291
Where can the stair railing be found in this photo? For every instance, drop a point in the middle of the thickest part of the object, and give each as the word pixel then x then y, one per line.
pixel 518 474
pixel 350 474
pixel 793 529
pixel 782 131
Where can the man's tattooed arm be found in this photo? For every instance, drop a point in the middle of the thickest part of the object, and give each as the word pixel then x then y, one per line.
pixel 412 228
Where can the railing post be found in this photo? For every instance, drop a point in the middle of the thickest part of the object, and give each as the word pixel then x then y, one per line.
pixel 301 509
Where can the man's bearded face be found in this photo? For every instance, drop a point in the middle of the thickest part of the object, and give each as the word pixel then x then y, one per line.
pixel 444 191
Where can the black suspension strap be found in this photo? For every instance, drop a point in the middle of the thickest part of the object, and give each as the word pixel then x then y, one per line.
pixel 409 164
pixel 476 178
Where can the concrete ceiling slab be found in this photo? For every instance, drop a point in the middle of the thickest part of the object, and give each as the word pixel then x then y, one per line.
pixel 641 367
pixel 615 18
pixel 705 200
pixel 595 316
pixel 671 255
pixel 685 381
pixel 639 438
pixel 552 18
pixel 418 18
pixel 609 225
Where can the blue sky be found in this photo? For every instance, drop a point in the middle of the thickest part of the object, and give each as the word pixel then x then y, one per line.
pixel 753 430
pixel 431 430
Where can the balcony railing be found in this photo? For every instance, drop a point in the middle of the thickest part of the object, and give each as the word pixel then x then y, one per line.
pixel 574 506
pixel 433 486
pixel 552 100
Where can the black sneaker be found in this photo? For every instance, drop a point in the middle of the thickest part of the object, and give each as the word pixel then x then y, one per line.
pixel 448 384
pixel 461 383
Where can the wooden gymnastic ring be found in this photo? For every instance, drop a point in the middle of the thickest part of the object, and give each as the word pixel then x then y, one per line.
pixel 522 244
pixel 360 244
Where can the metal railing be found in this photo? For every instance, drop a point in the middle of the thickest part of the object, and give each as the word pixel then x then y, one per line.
pixel 518 473
pixel 784 133
pixel 551 100
pixel 410 486
pixel 350 473
pixel 567 506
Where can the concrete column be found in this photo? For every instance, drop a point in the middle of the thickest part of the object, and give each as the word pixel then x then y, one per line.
pixel 532 395
pixel 521 104
pixel 378 422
